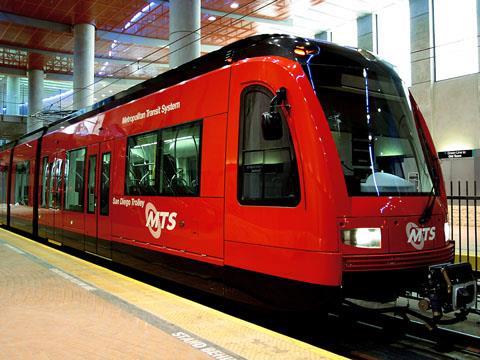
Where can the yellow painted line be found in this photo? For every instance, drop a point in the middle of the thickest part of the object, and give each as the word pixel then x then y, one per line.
pixel 188 323
pixel 53 242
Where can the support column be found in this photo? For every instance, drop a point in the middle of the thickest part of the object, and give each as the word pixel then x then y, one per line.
pixel 83 65
pixel 184 31
pixel 326 35
pixel 35 97
pixel 421 42
pixel 367 32
pixel 35 76
pixel 478 32
pixel 12 100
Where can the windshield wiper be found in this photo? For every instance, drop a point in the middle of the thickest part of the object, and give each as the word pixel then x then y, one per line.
pixel 427 211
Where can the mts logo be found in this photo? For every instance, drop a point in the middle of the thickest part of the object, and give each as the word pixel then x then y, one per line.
pixel 158 220
pixel 418 235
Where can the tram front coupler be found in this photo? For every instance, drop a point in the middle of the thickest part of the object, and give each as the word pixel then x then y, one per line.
pixel 448 288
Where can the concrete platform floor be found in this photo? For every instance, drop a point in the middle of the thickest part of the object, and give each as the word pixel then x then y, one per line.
pixel 56 306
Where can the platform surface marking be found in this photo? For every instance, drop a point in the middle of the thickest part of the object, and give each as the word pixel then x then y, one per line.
pixel 239 337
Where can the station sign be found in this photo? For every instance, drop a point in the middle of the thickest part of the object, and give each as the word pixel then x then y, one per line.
pixel 455 154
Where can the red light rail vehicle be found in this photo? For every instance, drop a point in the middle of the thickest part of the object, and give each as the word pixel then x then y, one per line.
pixel 278 171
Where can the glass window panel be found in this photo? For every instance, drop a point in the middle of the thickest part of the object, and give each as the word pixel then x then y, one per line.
pixel 105 184
pixel 180 162
pixel 54 194
pixel 51 193
pixel 141 164
pixel 455 38
pixel 74 180
pixel 268 172
pixel 92 170
pixel 3 183
pixel 22 188
pixel 57 200
pixel 373 127
pixel 43 190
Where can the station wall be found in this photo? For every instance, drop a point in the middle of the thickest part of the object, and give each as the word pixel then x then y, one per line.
pixel 452 110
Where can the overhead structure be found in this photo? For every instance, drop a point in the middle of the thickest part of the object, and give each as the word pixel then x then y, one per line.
pixel 13 92
pixel 36 76
pixel 184 36
pixel 367 32
pixel 83 65
pixel 421 41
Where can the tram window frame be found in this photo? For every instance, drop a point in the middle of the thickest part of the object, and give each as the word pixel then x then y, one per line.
pixel 89 183
pixel 51 184
pixel 81 186
pixel 25 192
pixel 128 189
pixel 44 183
pixel 293 176
pixel 3 183
pixel 105 195
pixel 177 128
pixel 159 173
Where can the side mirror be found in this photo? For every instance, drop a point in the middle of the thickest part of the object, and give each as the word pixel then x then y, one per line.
pixel 272 128
pixel 272 125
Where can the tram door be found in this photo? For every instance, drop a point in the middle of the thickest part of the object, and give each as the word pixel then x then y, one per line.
pixel 97 220
pixel 262 187
pixel 54 198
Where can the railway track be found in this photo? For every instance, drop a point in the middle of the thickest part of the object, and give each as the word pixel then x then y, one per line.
pixel 394 337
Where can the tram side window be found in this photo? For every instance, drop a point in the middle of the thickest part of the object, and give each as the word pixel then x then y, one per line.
pixel 22 189
pixel 141 164
pixel 267 173
pixel 51 193
pixel 54 194
pixel 43 190
pixel 75 180
pixel 92 170
pixel 105 184
pixel 3 183
pixel 180 160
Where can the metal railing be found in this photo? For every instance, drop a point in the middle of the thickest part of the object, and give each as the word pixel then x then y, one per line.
pixel 464 213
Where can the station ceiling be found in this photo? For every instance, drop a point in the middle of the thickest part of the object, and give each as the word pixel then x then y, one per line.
pixel 129 31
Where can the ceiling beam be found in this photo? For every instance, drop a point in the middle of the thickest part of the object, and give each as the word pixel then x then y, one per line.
pixel 11 127
pixel 143 40
pixel 12 71
pixel 118 81
pixel 4 70
pixel 102 34
pixel 37 23
pixel 287 22
pixel 99 59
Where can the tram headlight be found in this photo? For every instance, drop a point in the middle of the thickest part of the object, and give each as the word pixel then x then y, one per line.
pixel 363 237
pixel 446 229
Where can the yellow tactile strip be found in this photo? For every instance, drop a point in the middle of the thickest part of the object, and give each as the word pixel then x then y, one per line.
pixel 237 336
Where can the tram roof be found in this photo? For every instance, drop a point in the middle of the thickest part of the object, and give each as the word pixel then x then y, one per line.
pixel 258 45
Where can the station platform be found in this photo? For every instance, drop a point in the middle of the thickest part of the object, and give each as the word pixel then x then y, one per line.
pixel 56 306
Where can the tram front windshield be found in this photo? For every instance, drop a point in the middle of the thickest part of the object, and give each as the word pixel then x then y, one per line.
pixel 373 128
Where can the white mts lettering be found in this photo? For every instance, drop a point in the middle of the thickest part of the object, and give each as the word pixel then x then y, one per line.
pixel 432 233
pixel 163 215
pixel 153 219
pixel 172 222
pixel 425 234
pixel 415 236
